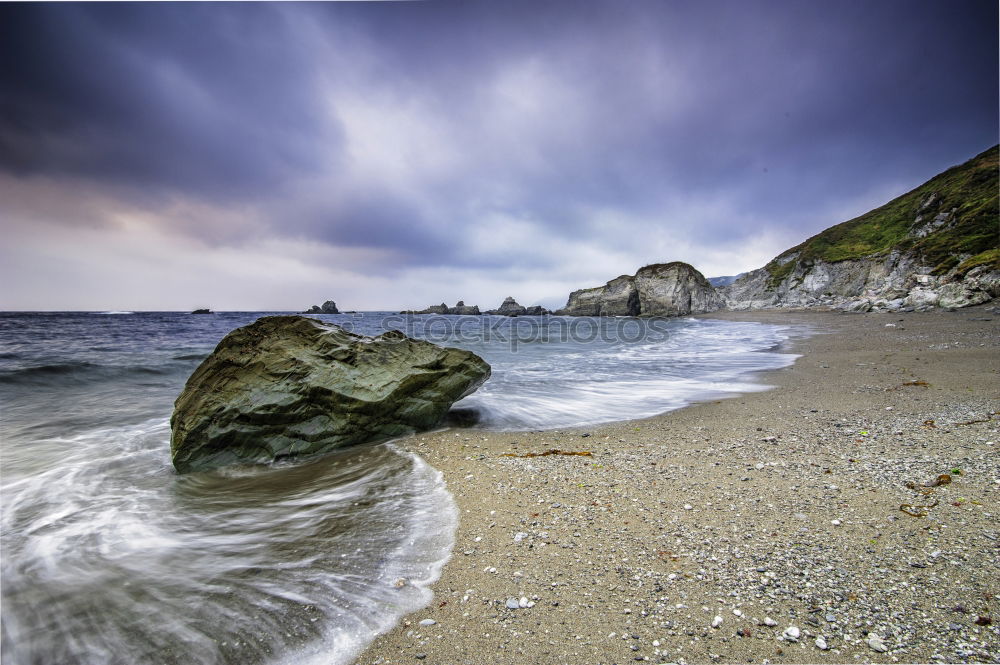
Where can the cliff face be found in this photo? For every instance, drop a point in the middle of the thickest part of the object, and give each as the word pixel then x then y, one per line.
pixel 934 246
pixel 663 289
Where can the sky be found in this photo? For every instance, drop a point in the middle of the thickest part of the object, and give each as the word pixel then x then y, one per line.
pixel 390 155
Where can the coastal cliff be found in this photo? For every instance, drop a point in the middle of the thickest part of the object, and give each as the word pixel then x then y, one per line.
pixel 936 245
pixel 662 289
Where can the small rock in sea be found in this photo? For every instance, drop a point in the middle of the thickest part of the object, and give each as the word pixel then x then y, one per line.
pixel 717 621
pixel 427 622
pixel 512 604
pixel 876 644
pixel 768 621
pixel 821 644
pixel 400 583
pixel 791 634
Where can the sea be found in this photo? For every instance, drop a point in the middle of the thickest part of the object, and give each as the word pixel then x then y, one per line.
pixel 107 555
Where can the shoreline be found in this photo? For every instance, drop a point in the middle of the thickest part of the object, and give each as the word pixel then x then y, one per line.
pixel 781 505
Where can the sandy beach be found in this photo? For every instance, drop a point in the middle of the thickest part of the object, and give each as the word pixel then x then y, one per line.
pixel 806 523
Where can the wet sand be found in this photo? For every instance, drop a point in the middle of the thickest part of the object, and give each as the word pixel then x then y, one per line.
pixel 798 521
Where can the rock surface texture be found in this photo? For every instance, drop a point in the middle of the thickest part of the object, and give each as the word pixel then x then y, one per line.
pixel 289 385
pixel 934 246
pixel 662 289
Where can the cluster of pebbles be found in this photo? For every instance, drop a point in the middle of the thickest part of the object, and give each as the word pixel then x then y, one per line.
pixel 811 523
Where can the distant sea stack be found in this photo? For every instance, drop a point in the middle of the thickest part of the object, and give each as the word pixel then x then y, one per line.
pixel 329 307
pixel 460 309
pixel 510 307
pixel 661 289
pixel 938 245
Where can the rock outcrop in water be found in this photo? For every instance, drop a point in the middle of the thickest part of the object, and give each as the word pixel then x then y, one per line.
pixel 289 385
pixel 934 246
pixel 460 309
pixel 329 307
pixel 662 289
pixel 509 307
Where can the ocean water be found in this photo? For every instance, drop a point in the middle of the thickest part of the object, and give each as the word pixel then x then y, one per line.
pixel 108 556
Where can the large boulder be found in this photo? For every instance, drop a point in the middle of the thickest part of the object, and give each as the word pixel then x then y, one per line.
pixel 674 289
pixel 662 289
pixel 289 385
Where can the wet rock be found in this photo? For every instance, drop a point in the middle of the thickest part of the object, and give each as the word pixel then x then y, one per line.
pixel 285 386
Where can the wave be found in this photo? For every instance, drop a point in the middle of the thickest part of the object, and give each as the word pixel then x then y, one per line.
pixel 76 373
pixel 128 562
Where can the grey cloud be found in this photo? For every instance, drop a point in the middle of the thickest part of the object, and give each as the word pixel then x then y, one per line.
pixel 711 120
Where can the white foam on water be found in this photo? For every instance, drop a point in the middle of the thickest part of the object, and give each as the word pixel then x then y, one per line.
pixel 112 557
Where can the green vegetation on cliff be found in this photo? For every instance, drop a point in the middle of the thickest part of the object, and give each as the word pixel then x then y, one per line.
pixel 958 210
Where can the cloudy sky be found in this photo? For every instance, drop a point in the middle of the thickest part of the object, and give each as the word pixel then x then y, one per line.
pixel 389 155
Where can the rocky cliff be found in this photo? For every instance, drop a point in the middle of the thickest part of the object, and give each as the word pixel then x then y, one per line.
pixel 934 246
pixel 662 289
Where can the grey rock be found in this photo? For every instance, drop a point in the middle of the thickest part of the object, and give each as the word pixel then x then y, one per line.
pixel 461 309
pixel 285 386
pixel 513 604
pixel 875 643
pixel 662 289
pixel 427 622
pixel 329 307
pixel 508 307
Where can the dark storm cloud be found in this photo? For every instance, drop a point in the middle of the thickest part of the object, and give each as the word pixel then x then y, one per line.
pixel 204 99
pixel 409 126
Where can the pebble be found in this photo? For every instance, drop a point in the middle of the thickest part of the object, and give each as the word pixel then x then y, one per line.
pixel 738 613
pixel 876 644
pixel 759 466
pixel 519 536
pixel 821 644
pixel 768 621
pixel 523 602
pixel 688 506
pixel 717 621
pixel 512 604
pixel 836 522
pixel 427 622
pixel 792 634
pixel 831 618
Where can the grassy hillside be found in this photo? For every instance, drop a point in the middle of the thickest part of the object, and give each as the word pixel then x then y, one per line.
pixel 971 189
